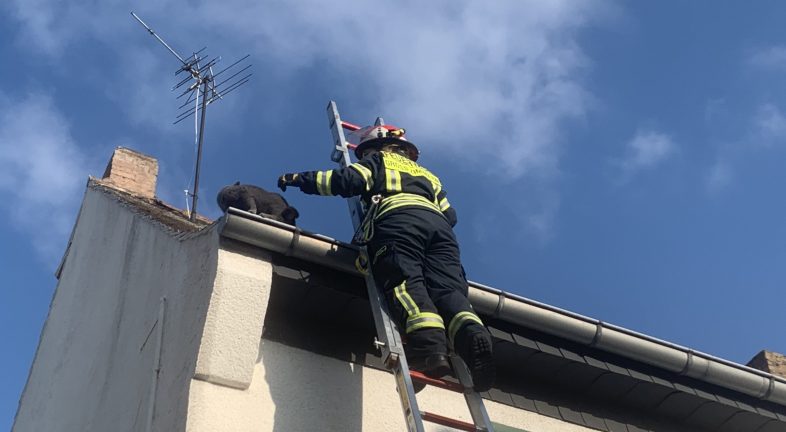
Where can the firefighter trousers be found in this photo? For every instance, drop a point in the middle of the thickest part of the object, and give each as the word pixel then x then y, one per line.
pixel 415 259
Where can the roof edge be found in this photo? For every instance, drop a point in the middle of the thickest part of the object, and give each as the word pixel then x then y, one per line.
pixel 291 241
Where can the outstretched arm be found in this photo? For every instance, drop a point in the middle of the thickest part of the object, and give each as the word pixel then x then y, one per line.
pixel 350 181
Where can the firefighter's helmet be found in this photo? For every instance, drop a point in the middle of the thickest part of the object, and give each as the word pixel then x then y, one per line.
pixel 377 136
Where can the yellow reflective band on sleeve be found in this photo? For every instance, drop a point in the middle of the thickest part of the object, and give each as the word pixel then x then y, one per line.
pixel 392 181
pixel 406 301
pixel 459 319
pixel 365 173
pixel 323 182
pixel 424 320
pixel 444 204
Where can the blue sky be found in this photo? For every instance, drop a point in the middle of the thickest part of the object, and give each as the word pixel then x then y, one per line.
pixel 620 160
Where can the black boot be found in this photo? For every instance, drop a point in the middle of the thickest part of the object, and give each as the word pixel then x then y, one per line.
pixel 473 344
pixel 432 366
pixel 426 350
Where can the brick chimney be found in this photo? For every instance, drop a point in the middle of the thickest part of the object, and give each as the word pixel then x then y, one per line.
pixel 132 172
pixel 769 361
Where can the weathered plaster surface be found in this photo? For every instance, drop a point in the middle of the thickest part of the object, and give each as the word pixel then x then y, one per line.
pixel 235 316
pixel 296 390
pixel 94 365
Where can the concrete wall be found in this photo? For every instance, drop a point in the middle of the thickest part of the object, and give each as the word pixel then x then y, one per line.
pixel 296 390
pixel 94 367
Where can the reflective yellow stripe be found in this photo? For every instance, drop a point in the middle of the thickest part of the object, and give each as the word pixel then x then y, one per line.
pixel 424 320
pixel 437 189
pixel 365 173
pixel 405 199
pixel 392 181
pixel 320 179
pixel 388 180
pixel 404 203
pixel 406 301
pixel 323 182
pixel 459 320
pixel 444 204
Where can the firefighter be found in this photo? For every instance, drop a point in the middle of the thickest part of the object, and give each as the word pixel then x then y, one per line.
pixel 413 252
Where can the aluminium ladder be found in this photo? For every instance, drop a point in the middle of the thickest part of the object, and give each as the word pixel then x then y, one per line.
pixel 388 339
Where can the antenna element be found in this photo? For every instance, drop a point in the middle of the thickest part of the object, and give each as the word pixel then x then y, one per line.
pixel 202 91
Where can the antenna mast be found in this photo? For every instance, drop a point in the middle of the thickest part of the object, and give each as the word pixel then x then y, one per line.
pixel 202 91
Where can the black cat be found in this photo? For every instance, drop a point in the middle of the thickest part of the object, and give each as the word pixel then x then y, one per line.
pixel 254 199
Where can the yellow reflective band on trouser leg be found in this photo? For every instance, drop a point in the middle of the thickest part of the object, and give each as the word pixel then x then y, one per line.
pixel 459 319
pixel 406 301
pixel 424 320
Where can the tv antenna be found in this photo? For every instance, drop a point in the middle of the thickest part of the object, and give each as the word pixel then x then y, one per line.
pixel 202 90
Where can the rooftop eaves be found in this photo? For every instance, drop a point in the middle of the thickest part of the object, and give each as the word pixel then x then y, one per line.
pixel 526 313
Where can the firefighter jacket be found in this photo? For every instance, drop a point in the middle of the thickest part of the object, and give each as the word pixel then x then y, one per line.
pixel 400 182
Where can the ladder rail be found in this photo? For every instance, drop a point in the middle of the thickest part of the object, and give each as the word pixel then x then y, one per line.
pixel 477 409
pixel 389 339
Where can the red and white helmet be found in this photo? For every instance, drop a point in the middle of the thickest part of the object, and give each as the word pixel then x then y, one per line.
pixel 377 136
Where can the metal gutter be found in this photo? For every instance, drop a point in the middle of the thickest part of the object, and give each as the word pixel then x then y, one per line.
pixel 282 238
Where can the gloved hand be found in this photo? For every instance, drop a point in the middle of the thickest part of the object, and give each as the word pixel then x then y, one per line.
pixel 289 179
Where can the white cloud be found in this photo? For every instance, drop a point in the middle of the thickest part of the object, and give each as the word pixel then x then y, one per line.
pixel 39 19
pixel 646 150
pixel 496 84
pixel 770 58
pixel 139 88
pixel 43 172
pixel 499 80
pixel 765 128
pixel 769 123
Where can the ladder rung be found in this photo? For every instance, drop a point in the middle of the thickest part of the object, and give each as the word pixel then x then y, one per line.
pixel 447 385
pixel 349 126
pixel 449 422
